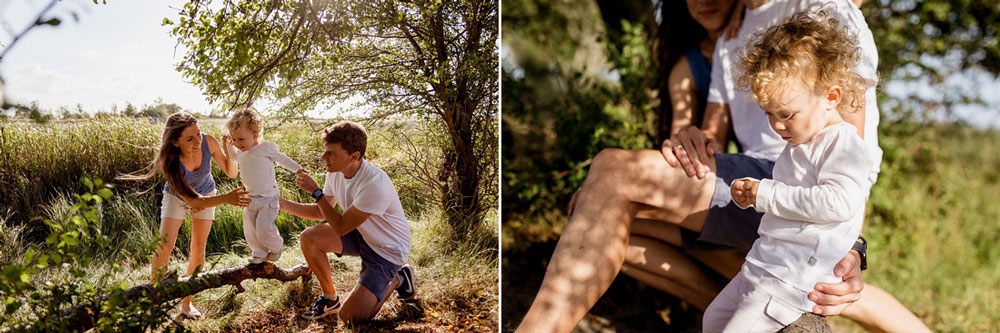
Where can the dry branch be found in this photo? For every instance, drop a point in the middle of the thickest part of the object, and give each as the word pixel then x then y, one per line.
pixel 84 316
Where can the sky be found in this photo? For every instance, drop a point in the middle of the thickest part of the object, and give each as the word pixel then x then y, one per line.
pixel 115 54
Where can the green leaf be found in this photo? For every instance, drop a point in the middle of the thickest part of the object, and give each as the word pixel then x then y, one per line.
pixel 25 277
pixel 106 193
pixel 51 239
pixel 57 259
pixel 88 183
pixel 78 221
pixel 43 262
pixel 166 21
pixel 29 256
pixel 90 216
pixel 70 238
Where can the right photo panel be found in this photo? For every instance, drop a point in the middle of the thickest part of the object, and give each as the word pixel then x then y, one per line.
pixel 750 166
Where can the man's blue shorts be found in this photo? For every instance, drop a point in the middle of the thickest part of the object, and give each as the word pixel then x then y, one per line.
pixel 728 227
pixel 376 272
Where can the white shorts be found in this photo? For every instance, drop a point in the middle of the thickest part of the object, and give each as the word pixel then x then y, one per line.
pixel 174 207
pixel 755 301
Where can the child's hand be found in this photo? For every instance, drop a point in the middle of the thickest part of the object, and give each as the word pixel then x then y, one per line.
pixel 744 192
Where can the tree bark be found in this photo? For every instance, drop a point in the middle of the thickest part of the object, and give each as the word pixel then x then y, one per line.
pixel 84 316
pixel 808 323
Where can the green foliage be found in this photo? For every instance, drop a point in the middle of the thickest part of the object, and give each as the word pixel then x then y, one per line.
pixel 930 41
pixel 40 304
pixel 557 115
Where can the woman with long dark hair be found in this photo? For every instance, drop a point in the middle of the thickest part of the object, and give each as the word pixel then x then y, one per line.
pixel 184 159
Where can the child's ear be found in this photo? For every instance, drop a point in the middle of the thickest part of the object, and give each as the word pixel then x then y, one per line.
pixel 833 96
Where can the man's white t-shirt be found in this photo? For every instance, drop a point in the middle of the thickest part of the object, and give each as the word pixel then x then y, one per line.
pixel 371 191
pixel 749 120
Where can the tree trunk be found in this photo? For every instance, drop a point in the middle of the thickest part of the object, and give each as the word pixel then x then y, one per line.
pixel 808 323
pixel 84 316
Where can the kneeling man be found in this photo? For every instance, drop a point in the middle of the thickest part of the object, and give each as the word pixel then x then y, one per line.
pixel 372 227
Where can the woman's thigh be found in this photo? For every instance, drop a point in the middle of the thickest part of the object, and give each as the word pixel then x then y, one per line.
pixel 658 191
pixel 199 231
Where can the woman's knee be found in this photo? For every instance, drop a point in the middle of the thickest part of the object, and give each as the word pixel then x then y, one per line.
pixel 608 159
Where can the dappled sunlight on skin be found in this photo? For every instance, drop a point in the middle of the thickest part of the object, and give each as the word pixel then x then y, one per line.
pixel 593 246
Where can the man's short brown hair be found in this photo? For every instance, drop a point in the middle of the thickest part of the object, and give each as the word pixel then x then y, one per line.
pixel 350 135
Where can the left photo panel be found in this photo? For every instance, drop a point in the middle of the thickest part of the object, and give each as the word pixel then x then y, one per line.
pixel 249 165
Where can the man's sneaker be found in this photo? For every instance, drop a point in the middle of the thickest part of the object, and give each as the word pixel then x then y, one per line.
pixel 322 307
pixel 256 260
pixel 406 288
pixel 273 256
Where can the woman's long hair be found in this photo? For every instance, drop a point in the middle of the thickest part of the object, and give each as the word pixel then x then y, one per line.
pixel 676 32
pixel 167 161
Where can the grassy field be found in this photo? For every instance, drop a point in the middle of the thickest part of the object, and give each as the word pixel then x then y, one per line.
pixel 932 224
pixel 40 166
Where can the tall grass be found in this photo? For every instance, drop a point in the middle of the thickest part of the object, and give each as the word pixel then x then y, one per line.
pixel 933 224
pixel 40 166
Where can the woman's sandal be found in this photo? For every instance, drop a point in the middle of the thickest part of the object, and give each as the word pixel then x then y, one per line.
pixel 194 314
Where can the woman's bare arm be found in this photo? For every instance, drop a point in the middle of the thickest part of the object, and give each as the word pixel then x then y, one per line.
pixel 226 162
pixel 236 197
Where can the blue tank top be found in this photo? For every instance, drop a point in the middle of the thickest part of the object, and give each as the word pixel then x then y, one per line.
pixel 201 180
pixel 701 69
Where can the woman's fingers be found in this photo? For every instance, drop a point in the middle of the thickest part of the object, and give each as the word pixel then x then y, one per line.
pixel 667 149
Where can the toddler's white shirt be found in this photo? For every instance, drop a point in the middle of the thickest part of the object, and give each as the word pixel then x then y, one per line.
pixel 257 168
pixel 813 207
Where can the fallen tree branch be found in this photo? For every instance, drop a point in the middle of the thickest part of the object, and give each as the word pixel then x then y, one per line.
pixel 84 316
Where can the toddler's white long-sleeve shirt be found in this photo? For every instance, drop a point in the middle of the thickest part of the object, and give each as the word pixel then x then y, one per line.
pixel 257 168
pixel 813 207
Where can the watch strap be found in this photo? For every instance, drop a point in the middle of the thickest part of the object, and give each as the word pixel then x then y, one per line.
pixel 861 245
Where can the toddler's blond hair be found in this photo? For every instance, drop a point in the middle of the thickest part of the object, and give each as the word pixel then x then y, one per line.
pixel 808 46
pixel 244 116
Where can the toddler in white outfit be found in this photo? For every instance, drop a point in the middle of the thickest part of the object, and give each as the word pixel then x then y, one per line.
pixel 256 159
pixel 801 73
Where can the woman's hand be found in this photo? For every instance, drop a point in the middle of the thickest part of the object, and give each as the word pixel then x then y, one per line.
pixel 735 21
pixel 691 149
pixel 832 298
pixel 237 197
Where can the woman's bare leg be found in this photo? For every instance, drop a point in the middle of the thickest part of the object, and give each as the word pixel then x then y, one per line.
pixel 592 248
pixel 879 311
pixel 199 237
pixel 168 237
pixel 664 267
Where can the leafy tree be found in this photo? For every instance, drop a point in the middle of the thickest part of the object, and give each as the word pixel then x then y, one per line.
pixel 930 41
pixel 426 59
pixel 30 305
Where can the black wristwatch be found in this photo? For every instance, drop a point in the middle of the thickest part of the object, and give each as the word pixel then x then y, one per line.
pixel 318 193
pixel 861 245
